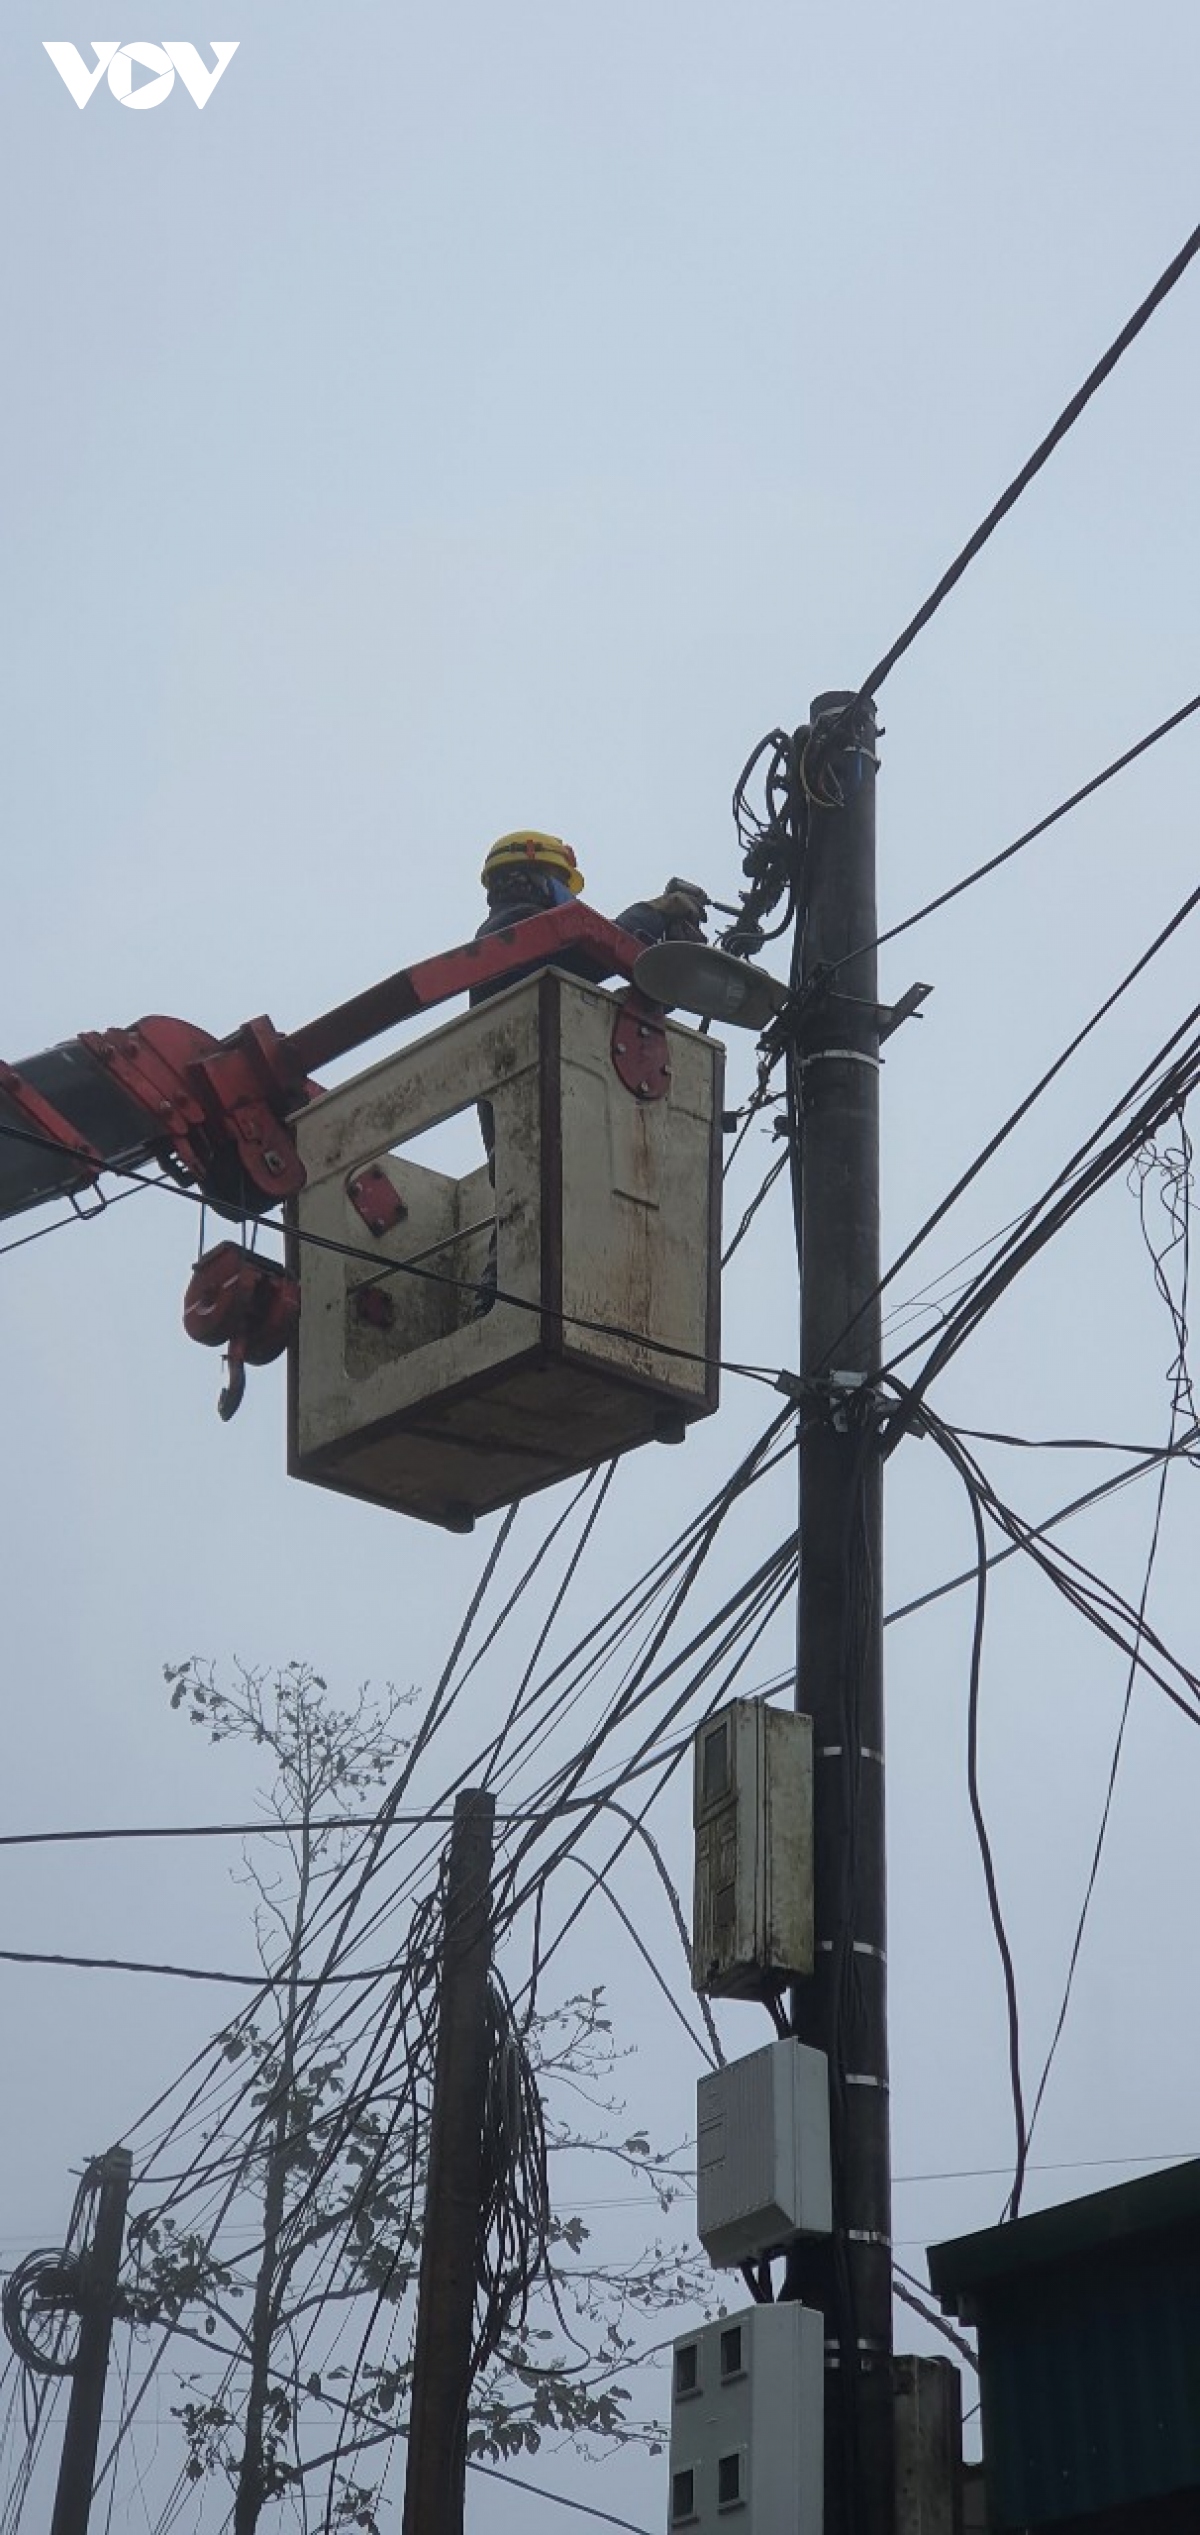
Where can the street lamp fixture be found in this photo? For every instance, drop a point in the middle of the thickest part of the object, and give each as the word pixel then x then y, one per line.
pixel 693 977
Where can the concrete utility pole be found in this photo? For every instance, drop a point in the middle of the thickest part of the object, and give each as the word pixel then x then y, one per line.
pixel 100 2275
pixel 435 2484
pixel 843 2010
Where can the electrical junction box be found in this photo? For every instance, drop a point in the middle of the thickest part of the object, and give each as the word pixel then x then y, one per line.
pixel 762 2153
pixel 748 2424
pixel 605 1214
pixel 752 1918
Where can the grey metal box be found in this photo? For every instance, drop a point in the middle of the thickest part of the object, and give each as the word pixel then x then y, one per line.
pixel 606 1207
pixel 929 2469
pixel 762 2153
pixel 748 2425
pixel 752 1918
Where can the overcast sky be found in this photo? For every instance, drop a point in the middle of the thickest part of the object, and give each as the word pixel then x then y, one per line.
pixel 482 416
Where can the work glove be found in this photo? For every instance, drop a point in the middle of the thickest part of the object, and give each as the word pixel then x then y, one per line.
pixel 684 905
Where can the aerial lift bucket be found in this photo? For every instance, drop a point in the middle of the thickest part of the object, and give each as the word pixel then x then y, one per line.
pixel 605 1218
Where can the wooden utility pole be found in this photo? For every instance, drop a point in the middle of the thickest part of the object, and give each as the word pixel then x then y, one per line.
pixel 100 2272
pixel 843 2010
pixel 445 2337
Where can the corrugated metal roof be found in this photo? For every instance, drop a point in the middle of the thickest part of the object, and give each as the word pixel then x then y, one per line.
pixel 1089 2349
pixel 1153 2204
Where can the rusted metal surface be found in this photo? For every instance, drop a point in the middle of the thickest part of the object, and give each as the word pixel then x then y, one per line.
pixel 752 1912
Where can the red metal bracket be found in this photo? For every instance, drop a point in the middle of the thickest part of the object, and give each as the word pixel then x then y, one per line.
pixel 374 1195
pixel 373 1305
pixel 640 1048
pixel 249 1082
pixel 221 1104
pixel 149 1060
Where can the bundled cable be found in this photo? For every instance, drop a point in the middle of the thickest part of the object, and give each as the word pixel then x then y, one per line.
pixel 772 841
pixel 513 2244
pixel 42 2289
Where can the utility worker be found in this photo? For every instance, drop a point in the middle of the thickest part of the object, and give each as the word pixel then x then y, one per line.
pixel 527 873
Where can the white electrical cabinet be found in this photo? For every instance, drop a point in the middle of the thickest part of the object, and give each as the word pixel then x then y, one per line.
pixel 762 2153
pixel 752 1922
pixel 747 2424
pixel 599 1213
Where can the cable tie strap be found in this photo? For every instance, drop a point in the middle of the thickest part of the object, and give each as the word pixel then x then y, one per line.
pixel 847 1055
pixel 859 1945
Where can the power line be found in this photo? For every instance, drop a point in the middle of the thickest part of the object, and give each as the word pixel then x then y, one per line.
pixel 1042 1085
pixel 743 1477
pixel 556 1808
pixel 603 2517
pixel 907 2286
pixel 401 1267
pixel 773 1172
pixel 1170 1084
pixel 1007 852
pixel 583 1801
pixel 369 1829
pixel 315 1827
pixel 1182 1450
pixel 260 1981
pixel 374 1833
pixel 676 1569
pixel 1107 1611
pixel 1045 449
pixel 1058 1443
pixel 1067 2165
pixel 361 1882
pixel 1012 2004
pixel 1176 1203
pixel 79 1214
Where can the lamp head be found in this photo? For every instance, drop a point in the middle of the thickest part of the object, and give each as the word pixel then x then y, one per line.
pixel 693 977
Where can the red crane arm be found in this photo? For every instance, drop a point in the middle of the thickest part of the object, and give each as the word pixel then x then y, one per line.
pixel 163 1087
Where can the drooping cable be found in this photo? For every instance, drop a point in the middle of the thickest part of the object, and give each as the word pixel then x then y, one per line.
pixel 1171 274
pixel 1177 1173
pixel 995 862
pixel 472 1287
pixel 1000 1931
pixel 1016 1115
pixel 1157 1093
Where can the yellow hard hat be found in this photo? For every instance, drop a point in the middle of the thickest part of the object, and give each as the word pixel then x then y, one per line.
pixel 528 849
